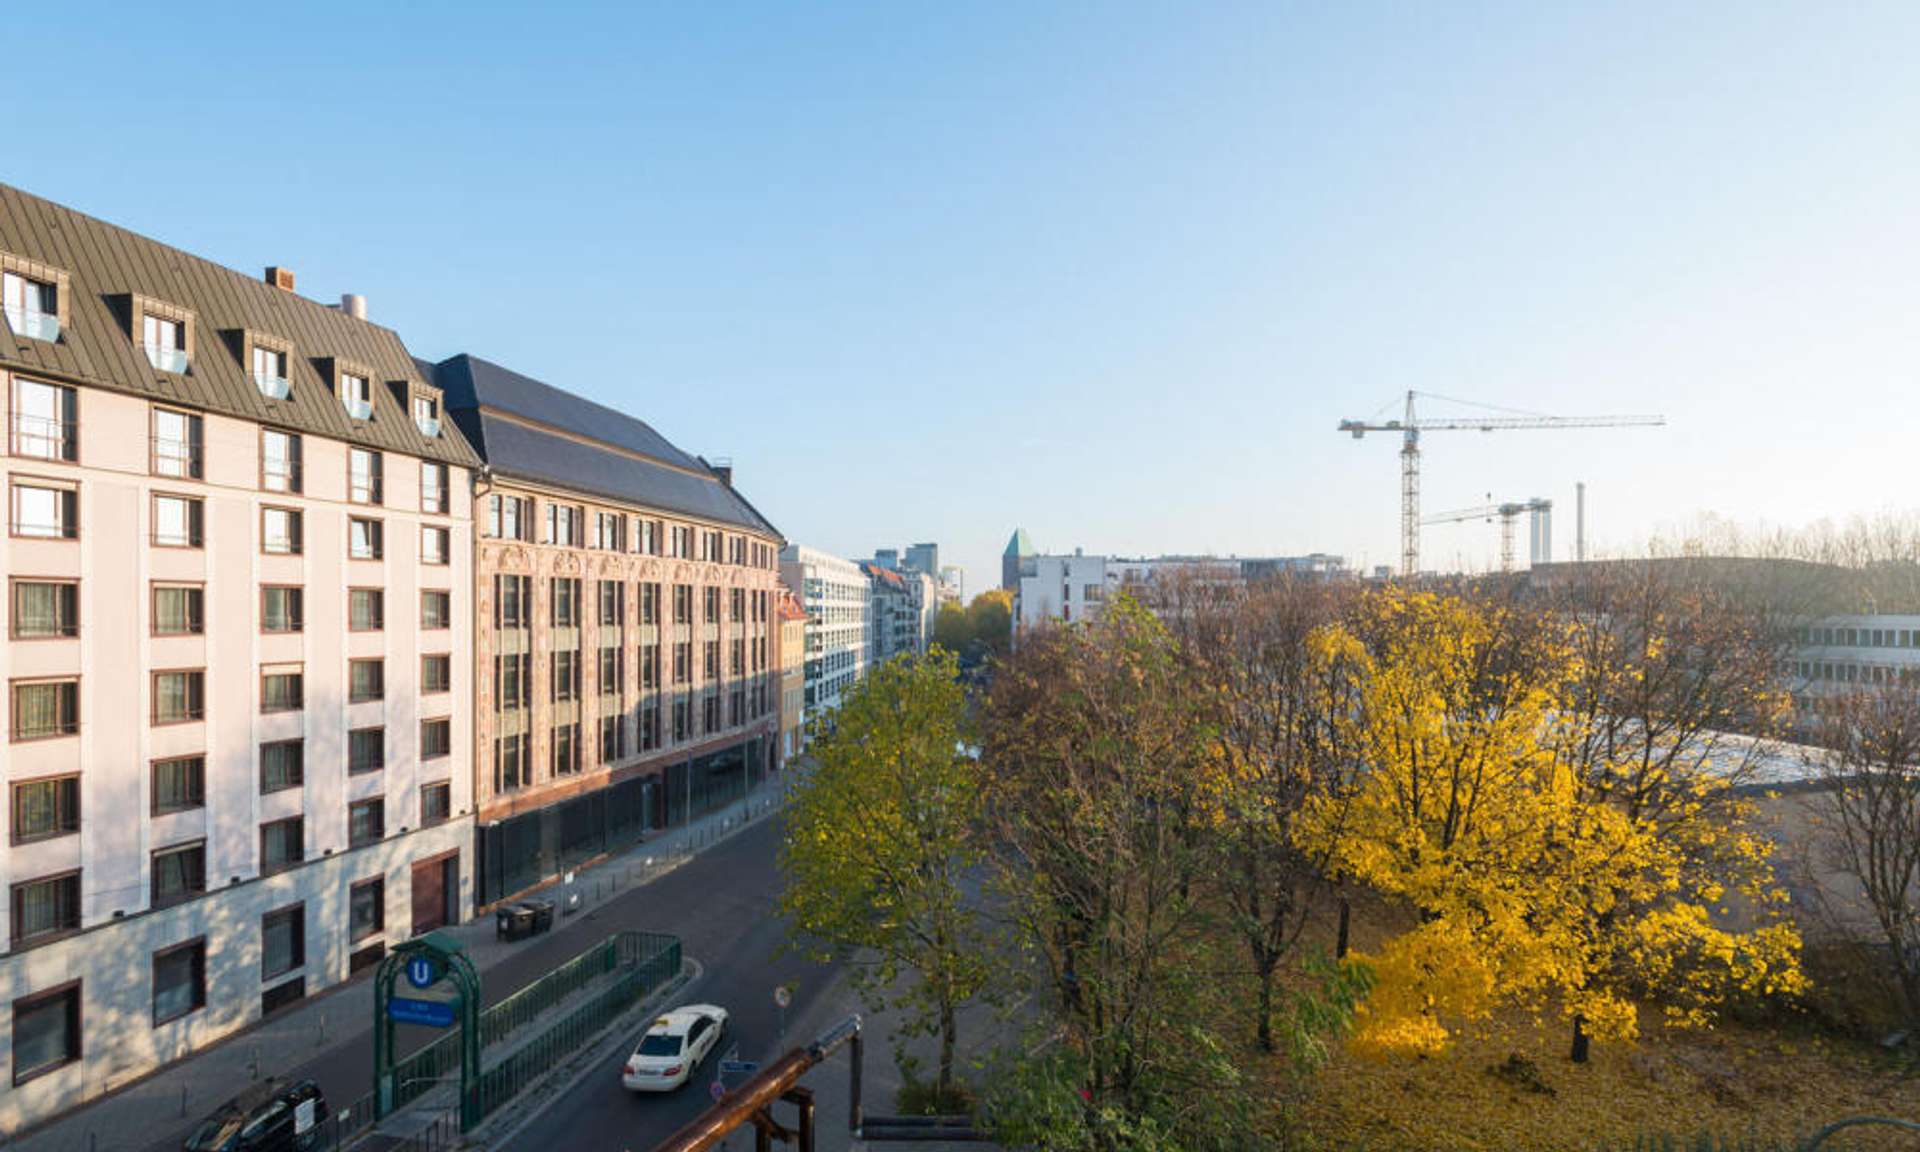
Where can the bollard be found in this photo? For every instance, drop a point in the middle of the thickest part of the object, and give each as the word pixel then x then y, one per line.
pixel 322 1042
pixel 253 1067
pixel 183 1101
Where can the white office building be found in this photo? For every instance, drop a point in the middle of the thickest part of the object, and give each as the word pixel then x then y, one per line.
pixel 837 598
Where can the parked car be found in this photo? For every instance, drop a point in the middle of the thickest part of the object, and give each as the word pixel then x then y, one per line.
pixel 674 1048
pixel 274 1116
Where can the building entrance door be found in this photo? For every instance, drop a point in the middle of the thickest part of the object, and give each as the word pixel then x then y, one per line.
pixel 436 885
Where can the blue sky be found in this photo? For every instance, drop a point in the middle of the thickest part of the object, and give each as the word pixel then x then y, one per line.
pixel 1108 272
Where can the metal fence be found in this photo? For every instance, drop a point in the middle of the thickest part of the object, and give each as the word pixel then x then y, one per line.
pixel 652 961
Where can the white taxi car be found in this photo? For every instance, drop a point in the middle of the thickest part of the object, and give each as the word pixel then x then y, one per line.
pixel 674 1048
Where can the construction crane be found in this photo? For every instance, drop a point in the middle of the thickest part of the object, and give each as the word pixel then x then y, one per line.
pixel 1509 514
pixel 1412 426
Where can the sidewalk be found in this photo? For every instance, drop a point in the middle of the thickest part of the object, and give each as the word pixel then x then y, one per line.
pixel 334 1027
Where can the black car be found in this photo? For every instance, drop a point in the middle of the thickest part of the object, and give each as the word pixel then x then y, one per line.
pixel 276 1116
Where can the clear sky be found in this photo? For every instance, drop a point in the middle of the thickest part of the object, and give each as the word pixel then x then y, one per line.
pixel 1109 272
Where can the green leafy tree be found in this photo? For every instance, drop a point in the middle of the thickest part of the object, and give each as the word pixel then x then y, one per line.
pixel 880 835
pixel 950 628
pixel 990 620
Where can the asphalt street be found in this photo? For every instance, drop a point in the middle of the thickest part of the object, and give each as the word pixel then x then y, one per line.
pixel 721 905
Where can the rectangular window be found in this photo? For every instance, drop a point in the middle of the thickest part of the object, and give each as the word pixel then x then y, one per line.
pixel 365 539
pixel 566 602
pixel 613 603
pixel 178 873
pixel 683 662
pixel 366 609
pixel 366 750
pixel 649 603
pixel 510 767
pixel 179 696
pixel 176 444
pixel 45 908
pixel 282 766
pixel 282 689
pixel 280 531
pixel 32 305
pixel 366 680
pixel 566 674
pixel 177 521
pixel 356 395
pixel 682 719
pixel 436 804
pixel 650 727
pixel 563 525
pixel 179 784
pixel 282 608
pixel 566 750
pixel 270 371
pixel 436 609
pixel 612 739
pixel 179 981
pixel 366 822
pixel 710 663
pixel 612 671
pixel 45 423
pixel 509 517
pixel 433 487
pixel 46 1032
pixel 179 610
pixel 46 708
pixel 45 608
pixel 683 603
pixel 649 667
pixel 279 460
pixel 512 596
pixel 44 809
pixel 436 738
pixel 710 603
pixel 165 342
pixel 610 531
pixel 283 941
pixel 434 544
pixel 367 909
pixel 511 674
pixel 46 511
pixel 436 673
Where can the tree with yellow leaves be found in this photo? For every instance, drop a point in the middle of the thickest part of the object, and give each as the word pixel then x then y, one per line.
pixel 1530 884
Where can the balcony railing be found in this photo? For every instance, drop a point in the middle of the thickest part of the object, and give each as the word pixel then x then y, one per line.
pixel 167 359
pixel 272 387
pixel 45 438
pixel 360 409
pixel 428 425
pixel 177 458
pixel 34 325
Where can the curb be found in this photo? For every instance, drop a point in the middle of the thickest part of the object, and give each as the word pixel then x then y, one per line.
pixel 618 1033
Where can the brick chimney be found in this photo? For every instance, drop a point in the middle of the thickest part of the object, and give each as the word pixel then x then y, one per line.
pixel 281 278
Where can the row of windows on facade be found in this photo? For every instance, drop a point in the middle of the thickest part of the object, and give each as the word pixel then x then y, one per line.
pixel 48 708
pixel 47 908
pixel 165 333
pixel 50 510
pixel 47 1026
pixel 513 674
pixel 1843 673
pixel 512 755
pixel 512 518
pixel 1861 637
pixel 513 603
pixel 46 426
pixel 819 692
pixel 50 609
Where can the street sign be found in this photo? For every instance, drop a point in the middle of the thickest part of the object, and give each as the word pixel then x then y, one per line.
pixel 783 996
pixel 738 1067
pixel 717 1090
pixel 422 971
pixel 432 1013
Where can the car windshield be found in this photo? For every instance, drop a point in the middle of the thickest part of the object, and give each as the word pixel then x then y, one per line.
pixel 213 1132
pixel 659 1044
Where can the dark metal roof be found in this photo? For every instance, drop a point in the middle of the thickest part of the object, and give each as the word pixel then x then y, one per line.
pixel 105 264
pixel 527 429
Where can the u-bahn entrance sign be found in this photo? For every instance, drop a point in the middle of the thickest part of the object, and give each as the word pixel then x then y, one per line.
pixel 426 961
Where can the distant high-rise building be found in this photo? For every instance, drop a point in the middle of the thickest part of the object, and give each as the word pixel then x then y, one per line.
pixel 1019 551
pixel 888 558
pixel 923 558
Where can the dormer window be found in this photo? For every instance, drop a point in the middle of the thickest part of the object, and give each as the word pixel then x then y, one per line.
pixel 165 340
pixel 426 414
pixel 270 372
pixel 357 394
pixel 32 305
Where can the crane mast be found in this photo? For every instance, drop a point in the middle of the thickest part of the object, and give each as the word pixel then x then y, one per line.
pixel 1411 426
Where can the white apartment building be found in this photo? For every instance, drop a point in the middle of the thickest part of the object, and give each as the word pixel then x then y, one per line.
pixel 837 598
pixel 1074 588
pixel 1062 588
pixel 237 658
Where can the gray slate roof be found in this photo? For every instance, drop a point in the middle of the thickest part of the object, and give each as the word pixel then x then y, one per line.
pixel 637 466
pixel 106 263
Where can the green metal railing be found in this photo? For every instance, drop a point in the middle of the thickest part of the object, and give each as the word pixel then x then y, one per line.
pixel 540 1055
pixel 652 957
